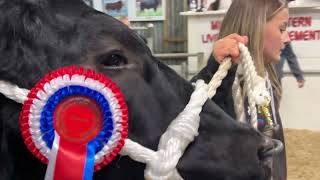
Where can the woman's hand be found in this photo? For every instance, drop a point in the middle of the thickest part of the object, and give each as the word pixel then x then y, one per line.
pixel 228 47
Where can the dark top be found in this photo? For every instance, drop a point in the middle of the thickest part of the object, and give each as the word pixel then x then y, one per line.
pixel 224 99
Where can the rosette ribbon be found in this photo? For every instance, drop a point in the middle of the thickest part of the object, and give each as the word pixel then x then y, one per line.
pixel 76 120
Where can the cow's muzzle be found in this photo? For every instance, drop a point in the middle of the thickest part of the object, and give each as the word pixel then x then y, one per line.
pixel 277 148
pixel 270 147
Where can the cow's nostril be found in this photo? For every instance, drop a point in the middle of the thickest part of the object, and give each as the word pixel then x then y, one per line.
pixel 277 148
pixel 270 148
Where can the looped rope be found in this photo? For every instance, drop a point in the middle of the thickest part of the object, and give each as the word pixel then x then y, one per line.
pixel 255 85
pixel 173 142
pixel 161 164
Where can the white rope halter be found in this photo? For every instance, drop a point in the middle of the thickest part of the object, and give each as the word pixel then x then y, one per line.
pixel 161 164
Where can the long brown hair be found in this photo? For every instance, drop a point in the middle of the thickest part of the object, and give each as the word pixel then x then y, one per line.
pixel 249 17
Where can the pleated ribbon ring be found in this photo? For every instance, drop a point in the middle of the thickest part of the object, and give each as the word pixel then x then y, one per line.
pixel 76 121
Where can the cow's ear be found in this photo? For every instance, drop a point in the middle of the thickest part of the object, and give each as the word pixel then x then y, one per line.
pixel 19 7
pixel 22 16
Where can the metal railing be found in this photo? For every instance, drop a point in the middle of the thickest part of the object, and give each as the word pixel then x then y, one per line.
pixel 180 59
pixel 147 32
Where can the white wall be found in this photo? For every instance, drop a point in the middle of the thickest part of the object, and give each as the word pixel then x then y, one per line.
pixel 300 108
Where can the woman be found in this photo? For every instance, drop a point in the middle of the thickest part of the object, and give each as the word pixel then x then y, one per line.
pixel 261 25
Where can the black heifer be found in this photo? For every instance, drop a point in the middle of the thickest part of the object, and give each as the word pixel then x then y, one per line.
pixel 114 6
pixel 149 4
pixel 37 36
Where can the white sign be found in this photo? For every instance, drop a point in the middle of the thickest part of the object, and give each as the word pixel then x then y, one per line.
pixel 304 32
pixel 203 30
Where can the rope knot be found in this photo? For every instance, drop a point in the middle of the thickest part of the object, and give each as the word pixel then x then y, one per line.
pixel 261 94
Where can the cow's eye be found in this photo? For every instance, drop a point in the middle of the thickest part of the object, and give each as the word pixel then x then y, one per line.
pixel 112 59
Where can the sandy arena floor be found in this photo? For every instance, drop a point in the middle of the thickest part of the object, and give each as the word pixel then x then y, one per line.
pixel 303 154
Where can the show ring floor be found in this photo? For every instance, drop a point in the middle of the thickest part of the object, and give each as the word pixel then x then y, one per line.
pixel 303 154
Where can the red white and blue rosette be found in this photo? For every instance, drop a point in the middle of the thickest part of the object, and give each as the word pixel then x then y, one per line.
pixel 75 120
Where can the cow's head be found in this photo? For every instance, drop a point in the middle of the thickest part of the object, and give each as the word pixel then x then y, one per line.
pixel 37 36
